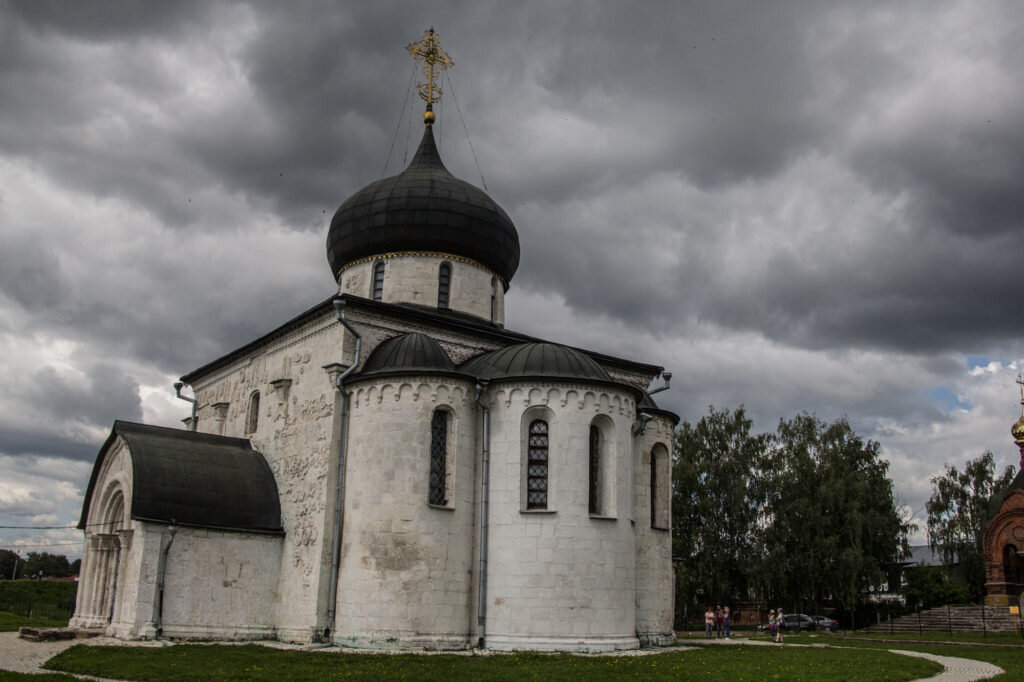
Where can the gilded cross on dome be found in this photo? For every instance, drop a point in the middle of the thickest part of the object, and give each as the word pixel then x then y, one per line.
pixel 1020 382
pixel 434 62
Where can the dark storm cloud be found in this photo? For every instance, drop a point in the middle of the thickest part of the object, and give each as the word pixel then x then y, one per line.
pixel 95 399
pixel 57 413
pixel 108 20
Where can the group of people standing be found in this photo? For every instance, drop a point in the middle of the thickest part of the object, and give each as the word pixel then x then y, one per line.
pixel 717 621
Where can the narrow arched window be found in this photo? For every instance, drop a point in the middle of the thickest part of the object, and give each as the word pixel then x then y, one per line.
pixel 660 514
pixel 253 416
pixel 438 458
pixel 444 283
pixel 494 299
pixel 537 466
pixel 595 469
pixel 654 490
pixel 378 281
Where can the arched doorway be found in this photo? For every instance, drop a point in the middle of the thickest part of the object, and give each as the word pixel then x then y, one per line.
pixel 1013 569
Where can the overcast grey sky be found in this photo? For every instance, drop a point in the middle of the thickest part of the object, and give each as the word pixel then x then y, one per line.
pixel 791 205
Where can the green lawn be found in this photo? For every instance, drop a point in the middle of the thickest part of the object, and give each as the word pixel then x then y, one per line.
pixel 10 622
pixel 1010 659
pixel 252 662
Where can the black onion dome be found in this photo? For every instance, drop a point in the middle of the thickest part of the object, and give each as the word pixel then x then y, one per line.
pixel 548 360
pixel 424 208
pixel 413 353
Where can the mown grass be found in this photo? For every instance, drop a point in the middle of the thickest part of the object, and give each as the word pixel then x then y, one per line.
pixel 972 637
pixel 10 622
pixel 1010 659
pixel 253 662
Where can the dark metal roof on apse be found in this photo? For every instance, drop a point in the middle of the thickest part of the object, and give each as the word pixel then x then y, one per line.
pixel 536 360
pixel 413 352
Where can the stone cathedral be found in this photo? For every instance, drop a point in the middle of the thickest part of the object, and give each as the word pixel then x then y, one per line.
pixel 393 468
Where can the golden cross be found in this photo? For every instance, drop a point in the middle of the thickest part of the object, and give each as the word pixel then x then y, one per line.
pixel 1020 382
pixel 435 60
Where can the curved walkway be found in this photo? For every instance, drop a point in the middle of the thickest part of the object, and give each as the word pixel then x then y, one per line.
pixel 956 669
pixel 24 656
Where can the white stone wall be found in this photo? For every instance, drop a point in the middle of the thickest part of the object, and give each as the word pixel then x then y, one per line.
pixel 413 278
pixel 395 586
pixel 296 432
pixel 406 565
pixel 562 578
pixel 221 585
pixel 654 578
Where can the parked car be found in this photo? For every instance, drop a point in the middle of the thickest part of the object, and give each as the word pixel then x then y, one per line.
pixel 797 621
pixel 825 623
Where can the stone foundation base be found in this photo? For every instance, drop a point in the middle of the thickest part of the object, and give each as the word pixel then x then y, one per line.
pixel 589 644
pixel 226 633
pixel 403 641
pixel 653 639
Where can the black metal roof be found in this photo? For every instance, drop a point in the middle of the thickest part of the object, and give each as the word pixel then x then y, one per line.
pixel 413 352
pixel 194 479
pixel 647 404
pixel 424 208
pixel 444 319
pixel 548 360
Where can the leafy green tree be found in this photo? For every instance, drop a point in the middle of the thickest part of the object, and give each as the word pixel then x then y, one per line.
pixel 930 586
pixel 48 565
pixel 832 526
pixel 10 565
pixel 957 512
pixel 716 504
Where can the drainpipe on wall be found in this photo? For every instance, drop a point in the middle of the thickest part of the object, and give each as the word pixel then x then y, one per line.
pixel 177 391
pixel 339 495
pixel 481 601
pixel 160 580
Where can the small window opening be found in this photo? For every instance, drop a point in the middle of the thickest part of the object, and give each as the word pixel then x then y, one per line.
pixel 378 281
pixel 438 457
pixel 253 417
pixel 537 466
pixel 444 281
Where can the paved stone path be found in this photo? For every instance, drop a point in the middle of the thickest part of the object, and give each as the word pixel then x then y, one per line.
pixel 957 669
pixel 24 656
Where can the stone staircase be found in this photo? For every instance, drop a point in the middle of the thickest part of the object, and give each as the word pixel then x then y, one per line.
pixel 965 618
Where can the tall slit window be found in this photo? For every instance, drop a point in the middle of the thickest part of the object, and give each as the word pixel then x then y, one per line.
pixel 438 457
pixel 253 416
pixel 654 490
pixel 494 299
pixel 444 283
pixel 660 514
pixel 378 281
pixel 595 469
pixel 537 466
